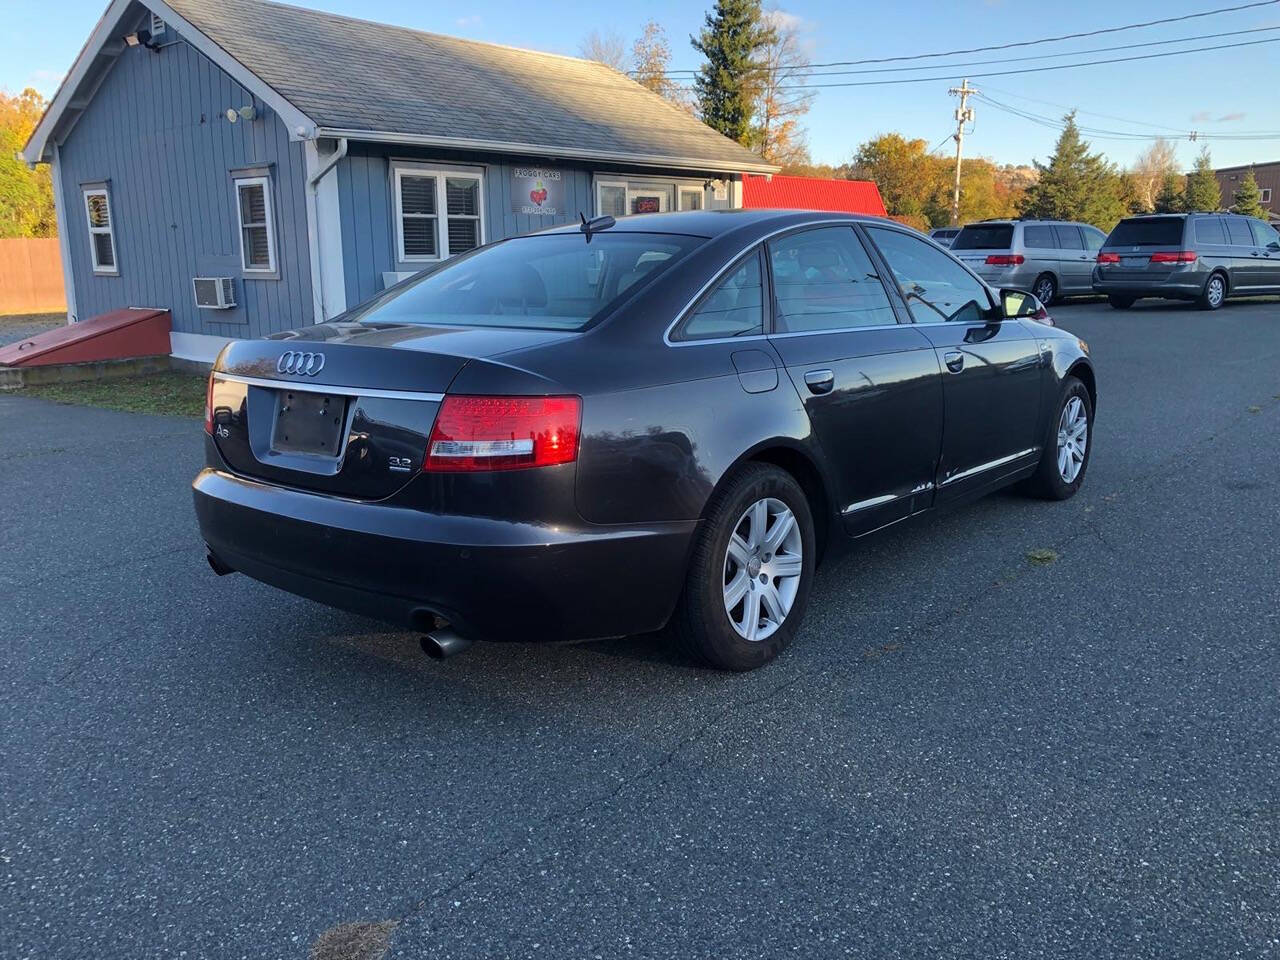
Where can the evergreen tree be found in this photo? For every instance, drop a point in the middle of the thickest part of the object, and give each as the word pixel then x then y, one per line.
pixel 1076 184
pixel 1169 199
pixel 1248 199
pixel 1203 192
pixel 727 85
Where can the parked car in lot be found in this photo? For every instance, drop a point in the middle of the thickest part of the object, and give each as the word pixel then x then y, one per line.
pixel 1205 257
pixel 591 431
pixel 944 235
pixel 1051 258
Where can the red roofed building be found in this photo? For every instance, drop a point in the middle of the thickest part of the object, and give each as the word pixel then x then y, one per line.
pixel 811 193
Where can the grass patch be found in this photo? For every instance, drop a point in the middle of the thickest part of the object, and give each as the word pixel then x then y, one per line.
pixel 1041 558
pixel 354 941
pixel 173 393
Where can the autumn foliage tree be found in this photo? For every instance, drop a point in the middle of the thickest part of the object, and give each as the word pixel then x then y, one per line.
pixel 781 101
pixel 26 196
pixel 650 64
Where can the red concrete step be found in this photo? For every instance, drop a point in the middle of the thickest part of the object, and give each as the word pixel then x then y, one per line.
pixel 130 332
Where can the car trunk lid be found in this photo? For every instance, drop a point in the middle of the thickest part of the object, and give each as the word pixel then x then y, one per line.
pixel 343 408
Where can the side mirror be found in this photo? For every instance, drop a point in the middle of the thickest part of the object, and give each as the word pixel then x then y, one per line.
pixel 1274 245
pixel 1015 304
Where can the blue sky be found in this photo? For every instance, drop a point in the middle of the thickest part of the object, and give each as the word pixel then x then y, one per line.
pixel 1229 91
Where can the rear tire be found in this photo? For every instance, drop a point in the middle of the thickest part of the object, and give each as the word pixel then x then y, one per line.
pixel 1120 303
pixel 1214 294
pixel 1045 289
pixel 705 625
pixel 1065 455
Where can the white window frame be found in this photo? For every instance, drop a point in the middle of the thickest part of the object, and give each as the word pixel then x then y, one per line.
pixel 110 230
pixel 401 169
pixel 642 184
pixel 1266 195
pixel 683 188
pixel 268 204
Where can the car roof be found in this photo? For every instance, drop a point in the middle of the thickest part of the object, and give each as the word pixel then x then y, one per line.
pixel 716 223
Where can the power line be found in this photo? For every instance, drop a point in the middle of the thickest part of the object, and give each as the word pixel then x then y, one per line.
pixel 1032 43
pixel 1105 134
pixel 1023 70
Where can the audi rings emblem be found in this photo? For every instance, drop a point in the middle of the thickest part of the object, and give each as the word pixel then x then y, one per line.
pixel 303 364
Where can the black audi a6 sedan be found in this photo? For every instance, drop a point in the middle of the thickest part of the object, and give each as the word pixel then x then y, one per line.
pixel 601 428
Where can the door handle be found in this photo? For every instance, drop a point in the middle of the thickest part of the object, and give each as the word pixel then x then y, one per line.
pixel 954 360
pixel 820 381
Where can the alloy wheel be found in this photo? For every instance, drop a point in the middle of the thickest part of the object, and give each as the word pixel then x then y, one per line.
pixel 762 568
pixel 1073 439
pixel 1044 290
pixel 1216 291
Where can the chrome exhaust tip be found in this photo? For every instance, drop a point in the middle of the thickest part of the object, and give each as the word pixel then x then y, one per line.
pixel 439 644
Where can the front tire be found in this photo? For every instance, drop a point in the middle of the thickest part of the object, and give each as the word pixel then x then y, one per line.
pixel 749 578
pixel 1065 456
pixel 1214 294
pixel 1120 303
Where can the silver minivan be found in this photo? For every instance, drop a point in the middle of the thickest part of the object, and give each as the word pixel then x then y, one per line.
pixel 1051 258
pixel 1205 257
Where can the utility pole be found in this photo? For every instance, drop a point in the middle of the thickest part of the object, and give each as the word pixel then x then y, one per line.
pixel 964 114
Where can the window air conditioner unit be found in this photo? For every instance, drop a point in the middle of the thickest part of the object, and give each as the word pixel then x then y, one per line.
pixel 214 293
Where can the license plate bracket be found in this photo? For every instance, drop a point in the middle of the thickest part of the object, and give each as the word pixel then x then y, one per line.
pixel 310 423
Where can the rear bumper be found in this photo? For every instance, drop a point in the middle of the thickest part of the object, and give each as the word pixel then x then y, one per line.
pixel 491 579
pixel 1181 287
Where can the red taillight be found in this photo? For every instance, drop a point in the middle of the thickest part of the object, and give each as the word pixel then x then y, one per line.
pixel 503 433
pixel 1006 260
pixel 1176 256
pixel 1108 258
pixel 208 406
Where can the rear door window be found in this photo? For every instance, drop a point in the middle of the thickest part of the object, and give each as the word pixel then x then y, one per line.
pixel 984 236
pixel 1147 232
pixel 1068 237
pixel 824 280
pixel 735 308
pixel 1238 233
pixel 1093 238
pixel 1210 230
pixel 934 285
pixel 1039 238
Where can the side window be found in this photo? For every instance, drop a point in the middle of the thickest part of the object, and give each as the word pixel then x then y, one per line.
pixel 1068 237
pixel 102 237
pixel 824 280
pixel 1038 237
pixel 735 308
pixel 1093 238
pixel 934 285
pixel 257 229
pixel 1238 232
pixel 1210 230
pixel 1262 233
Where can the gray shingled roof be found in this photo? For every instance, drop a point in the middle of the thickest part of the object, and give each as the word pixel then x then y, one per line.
pixel 350 75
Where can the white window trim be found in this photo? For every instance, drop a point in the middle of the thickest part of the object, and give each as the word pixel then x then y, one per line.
pixel 1266 195
pixel 683 188
pixel 636 184
pixel 110 230
pixel 268 202
pixel 399 170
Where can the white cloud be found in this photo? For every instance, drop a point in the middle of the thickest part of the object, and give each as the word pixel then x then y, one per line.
pixel 468 22
pixel 1230 117
pixel 784 20
pixel 46 81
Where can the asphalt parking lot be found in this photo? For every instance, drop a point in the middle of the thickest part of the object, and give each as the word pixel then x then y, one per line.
pixel 965 754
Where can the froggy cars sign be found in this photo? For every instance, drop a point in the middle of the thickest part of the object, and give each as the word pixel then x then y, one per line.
pixel 537 190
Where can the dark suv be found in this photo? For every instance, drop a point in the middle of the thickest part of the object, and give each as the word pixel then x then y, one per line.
pixel 1205 257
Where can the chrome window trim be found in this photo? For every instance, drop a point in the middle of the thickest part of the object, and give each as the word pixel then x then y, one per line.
pixel 716 277
pixel 335 389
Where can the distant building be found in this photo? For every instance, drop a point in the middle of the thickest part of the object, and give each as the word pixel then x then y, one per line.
pixel 1268 177
pixel 252 167
pixel 811 193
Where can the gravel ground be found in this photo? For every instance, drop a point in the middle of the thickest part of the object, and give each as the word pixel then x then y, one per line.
pixel 966 753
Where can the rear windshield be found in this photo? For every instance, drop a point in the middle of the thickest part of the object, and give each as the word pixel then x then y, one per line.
pixel 548 282
pixel 1156 232
pixel 985 236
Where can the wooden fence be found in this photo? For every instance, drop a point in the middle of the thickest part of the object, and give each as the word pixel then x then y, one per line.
pixel 31 276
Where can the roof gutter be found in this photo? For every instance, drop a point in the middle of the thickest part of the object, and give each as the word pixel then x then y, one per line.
pixel 701 165
pixel 313 209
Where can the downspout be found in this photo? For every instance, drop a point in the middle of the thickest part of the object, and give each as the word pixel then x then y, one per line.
pixel 313 199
